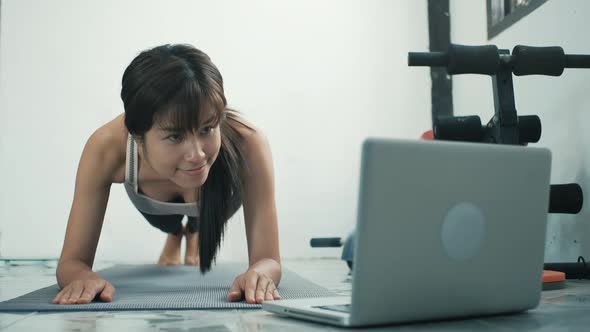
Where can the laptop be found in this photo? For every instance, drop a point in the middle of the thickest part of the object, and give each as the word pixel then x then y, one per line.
pixel 444 230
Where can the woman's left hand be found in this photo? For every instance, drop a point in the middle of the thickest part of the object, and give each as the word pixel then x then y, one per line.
pixel 255 286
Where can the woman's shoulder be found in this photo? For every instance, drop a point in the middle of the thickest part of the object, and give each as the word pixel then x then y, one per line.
pixel 253 137
pixel 108 146
pixel 255 147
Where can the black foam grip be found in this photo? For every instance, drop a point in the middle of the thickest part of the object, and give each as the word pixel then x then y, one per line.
pixel 566 198
pixel 528 60
pixel 458 128
pixel 529 129
pixel 473 59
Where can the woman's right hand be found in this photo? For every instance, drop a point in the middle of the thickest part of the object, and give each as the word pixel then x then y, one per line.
pixel 84 291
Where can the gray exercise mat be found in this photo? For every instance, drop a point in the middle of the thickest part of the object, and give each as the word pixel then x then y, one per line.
pixel 152 287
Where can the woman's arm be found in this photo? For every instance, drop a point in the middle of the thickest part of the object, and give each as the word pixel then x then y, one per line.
pixel 95 175
pixel 264 273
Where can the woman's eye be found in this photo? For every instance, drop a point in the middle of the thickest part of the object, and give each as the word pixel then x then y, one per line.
pixel 174 138
pixel 206 130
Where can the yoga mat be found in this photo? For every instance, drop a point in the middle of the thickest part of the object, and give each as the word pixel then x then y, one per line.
pixel 152 287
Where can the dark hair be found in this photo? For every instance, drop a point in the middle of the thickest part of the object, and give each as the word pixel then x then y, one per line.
pixel 174 83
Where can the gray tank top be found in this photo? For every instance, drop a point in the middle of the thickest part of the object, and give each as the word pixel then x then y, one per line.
pixel 142 202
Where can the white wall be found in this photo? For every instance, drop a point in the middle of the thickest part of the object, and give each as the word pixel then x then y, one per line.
pixel 316 76
pixel 562 103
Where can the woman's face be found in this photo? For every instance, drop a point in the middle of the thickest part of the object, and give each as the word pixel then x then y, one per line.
pixel 183 158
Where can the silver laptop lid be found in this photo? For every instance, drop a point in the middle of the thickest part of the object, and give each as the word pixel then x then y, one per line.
pixel 448 229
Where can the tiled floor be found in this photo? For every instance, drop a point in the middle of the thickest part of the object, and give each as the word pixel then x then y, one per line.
pixel 560 310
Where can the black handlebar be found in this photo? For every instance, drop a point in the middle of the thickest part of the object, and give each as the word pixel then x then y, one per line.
pixel 488 60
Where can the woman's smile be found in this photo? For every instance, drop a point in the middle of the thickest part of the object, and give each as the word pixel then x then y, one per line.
pixel 195 171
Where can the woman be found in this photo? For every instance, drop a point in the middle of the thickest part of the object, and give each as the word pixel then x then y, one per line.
pixel 179 151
